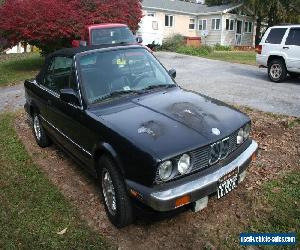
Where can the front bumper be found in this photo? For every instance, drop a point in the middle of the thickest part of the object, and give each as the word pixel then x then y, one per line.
pixel 197 186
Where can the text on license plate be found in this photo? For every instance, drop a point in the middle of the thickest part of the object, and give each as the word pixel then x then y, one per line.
pixel 227 183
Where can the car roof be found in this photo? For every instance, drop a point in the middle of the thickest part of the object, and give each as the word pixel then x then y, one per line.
pixel 70 52
pixel 106 25
pixel 286 26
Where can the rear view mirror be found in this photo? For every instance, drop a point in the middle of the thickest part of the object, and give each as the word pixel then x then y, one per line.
pixel 172 73
pixel 139 39
pixel 69 96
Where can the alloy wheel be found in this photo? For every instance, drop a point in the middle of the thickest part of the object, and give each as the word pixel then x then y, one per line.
pixel 109 192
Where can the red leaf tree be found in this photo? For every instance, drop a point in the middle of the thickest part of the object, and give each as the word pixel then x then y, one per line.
pixel 52 24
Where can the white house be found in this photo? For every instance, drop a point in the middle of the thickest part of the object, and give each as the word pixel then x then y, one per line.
pixel 230 24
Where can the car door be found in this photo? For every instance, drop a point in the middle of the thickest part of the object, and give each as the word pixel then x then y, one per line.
pixel 273 41
pixel 67 118
pixel 292 50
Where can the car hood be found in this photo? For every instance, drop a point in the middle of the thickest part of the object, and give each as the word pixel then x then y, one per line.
pixel 167 123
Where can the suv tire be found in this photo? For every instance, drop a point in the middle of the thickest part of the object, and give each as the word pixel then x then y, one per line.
pixel 277 70
pixel 39 132
pixel 117 203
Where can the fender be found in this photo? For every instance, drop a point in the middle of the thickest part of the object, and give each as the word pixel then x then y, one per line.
pixel 106 148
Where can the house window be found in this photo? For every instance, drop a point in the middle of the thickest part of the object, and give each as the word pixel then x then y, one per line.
pixel 229 24
pixel 215 24
pixel 202 24
pixel 154 25
pixel 192 24
pixel 169 20
pixel 151 14
pixel 248 27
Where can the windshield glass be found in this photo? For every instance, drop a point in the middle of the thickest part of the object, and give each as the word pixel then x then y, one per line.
pixel 121 71
pixel 112 36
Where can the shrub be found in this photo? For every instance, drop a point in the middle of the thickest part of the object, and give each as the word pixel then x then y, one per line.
pixel 193 51
pixel 173 42
pixel 219 47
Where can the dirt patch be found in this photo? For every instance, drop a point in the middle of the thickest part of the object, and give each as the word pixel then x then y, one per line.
pixel 217 225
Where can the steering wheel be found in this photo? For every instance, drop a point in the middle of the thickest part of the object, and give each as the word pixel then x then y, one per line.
pixel 137 80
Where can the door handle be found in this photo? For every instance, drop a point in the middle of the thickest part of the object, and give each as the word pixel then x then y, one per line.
pixel 286 47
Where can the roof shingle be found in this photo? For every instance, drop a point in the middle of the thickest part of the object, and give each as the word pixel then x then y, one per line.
pixel 181 6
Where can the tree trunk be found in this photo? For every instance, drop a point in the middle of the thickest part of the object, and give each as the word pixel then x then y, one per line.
pixel 258 31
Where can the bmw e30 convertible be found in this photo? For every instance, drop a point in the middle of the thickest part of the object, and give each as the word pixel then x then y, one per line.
pixel 120 114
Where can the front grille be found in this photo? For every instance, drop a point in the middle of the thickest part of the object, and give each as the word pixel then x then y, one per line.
pixel 200 157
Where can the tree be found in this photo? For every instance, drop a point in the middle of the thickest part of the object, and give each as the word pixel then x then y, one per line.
pixel 52 24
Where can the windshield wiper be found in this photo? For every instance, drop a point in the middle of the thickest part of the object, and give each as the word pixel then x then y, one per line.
pixel 115 94
pixel 159 86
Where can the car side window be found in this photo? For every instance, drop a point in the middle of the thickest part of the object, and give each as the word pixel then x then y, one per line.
pixel 275 36
pixel 293 37
pixel 58 73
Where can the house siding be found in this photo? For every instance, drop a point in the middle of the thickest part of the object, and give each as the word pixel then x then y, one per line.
pixel 214 36
pixel 180 26
pixel 229 37
pixel 222 36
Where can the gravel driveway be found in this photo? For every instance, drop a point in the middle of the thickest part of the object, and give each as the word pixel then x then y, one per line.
pixel 234 83
pixel 229 82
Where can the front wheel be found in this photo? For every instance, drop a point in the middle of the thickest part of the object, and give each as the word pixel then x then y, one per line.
pixel 277 70
pixel 117 203
pixel 40 135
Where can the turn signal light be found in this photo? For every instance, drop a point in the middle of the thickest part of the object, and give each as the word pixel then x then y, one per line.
pixel 253 158
pixel 182 201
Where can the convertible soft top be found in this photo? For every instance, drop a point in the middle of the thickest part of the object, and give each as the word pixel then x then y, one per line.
pixel 74 51
pixel 70 52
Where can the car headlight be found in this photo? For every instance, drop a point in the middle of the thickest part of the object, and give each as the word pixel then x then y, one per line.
pixel 247 130
pixel 240 136
pixel 184 164
pixel 165 170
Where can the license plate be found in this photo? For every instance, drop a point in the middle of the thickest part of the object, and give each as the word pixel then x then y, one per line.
pixel 227 183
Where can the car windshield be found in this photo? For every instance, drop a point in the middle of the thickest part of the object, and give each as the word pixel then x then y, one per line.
pixel 112 36
pixel 112 73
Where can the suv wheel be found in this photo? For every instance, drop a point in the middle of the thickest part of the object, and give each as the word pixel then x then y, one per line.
pixel 277 70
pixel 117 203
pixel 39 133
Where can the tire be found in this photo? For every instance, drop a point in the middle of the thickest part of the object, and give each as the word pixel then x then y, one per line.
pixel 118 209
pixel 277 70
pixel 40 135
pixel 294 75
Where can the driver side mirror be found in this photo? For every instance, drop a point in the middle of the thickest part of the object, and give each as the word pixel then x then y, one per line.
pixel 139 39
pixel 172 73
pixel 69 96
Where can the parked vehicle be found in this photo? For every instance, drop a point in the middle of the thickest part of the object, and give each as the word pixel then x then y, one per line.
pixel 112 33
pixel 151 31
pixel 121 115
pixel 279 51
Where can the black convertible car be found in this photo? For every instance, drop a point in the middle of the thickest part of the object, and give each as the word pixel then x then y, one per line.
pixel 121 115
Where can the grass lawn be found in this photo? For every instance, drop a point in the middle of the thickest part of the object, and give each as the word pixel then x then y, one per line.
pixel 18 67
pixel 244 57
pixel 32 210
pixel 281 202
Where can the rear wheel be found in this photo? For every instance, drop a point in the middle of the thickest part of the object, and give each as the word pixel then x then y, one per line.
pixel 277 70
pixel 117 203
pixel 39 133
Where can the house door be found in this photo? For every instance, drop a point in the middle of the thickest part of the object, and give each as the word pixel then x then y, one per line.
pixel 238 34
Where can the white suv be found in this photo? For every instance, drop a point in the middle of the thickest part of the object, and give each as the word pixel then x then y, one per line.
pixel 279 51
